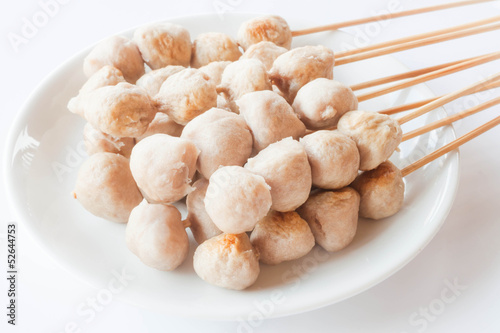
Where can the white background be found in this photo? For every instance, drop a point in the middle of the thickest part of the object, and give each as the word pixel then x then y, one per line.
pixel 466 249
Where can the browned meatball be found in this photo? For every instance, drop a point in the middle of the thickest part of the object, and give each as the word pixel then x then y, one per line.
pixel 162 124
pixel 265 52
pixel 152 81
pixel 269 28
pixel 213 46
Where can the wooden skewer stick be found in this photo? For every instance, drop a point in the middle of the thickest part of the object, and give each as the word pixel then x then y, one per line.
pixel 450 119
pixel 398 41
pixel 416 43
pixel 448 98
pixel 451 146
pixel 411 106
pixel 336 26
pixel 431 76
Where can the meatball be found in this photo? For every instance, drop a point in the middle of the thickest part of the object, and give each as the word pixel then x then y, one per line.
pixel 376 135
pixel 119 52
pixel 227 261
pixel 333 217
pixel 163 44
pixel 201 224
pixel 106 76
pixel 281 237
pixel 297 67
pixel 285 168
pixel 321 102
pixel 334 159
pixel 236 199
pixel 96 141
pixel 266 52
pixel 124 110
pixel 162 124
pixel 214 70
pixel 186 94
pixel 163 166
pixel 105 187
pixel 269 28
pixel 213 46
pixel 156 235
pixel 270 118
pixel 242 77
pixel 222 137
pixel 382 191
pixel 152 81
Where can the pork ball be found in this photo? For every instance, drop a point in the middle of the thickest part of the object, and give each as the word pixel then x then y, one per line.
pixel 333 217
pixel 163 44
pixel 281 237
pixel 96 141
pixel 201 224
pixel 270 118
pixel 382 191
pixel 124 110
pixel 285 168
pixel 242 77
pixel 106 76
pixel 163 166
pixel 156 235
pixel 334 158
pixel 214 70
pixel 299 66
pixel 213 46
pixel 227 261
pixel 269 28
pixel 376 135
pixel 152 81
pixel 105 187
pixel 321 102
pixel 236 199
pixel 186 94
pixel 162 124
pixel 266 52
pixel 222 137
pixel 119 52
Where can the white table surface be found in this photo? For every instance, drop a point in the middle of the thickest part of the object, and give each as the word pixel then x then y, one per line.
pixel 465 251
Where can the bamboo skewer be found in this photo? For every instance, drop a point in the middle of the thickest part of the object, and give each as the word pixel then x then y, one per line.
pixel 450 146
pixel 431 76
pixel 418 37
pixel 416 43
pixel 336 26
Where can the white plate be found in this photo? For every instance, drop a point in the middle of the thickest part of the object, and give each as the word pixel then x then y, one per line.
pixel 45 150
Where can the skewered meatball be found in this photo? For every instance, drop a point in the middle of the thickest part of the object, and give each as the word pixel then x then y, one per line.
pixel 242 77
pixel 236 199
pixel 269 28
pixel 266 52
pixel 156 235
pixel 222 137
pixel 124 110
pixel 163 44
pixel 201 226
pixel 214 70
pixel 227 261
pixel 213 46
pixel 152 81
pixel 162 124
pixel 96 141
pixel 297 67
pixel 382 191
pixel 270 118
pixel 186 94
pixel 106 76
pixel 333 217
pixel 285 168
pixel 376 135
pixel 334 159
pixel 281 237
pixel 119 52
pixel 163 166
pixel 105 187
pixel 321 103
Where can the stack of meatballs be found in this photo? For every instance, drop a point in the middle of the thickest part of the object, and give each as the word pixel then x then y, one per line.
pixel 242 130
